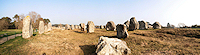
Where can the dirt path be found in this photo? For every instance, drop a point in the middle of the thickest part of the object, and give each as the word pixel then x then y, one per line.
pixel 62 42
pixel 2 40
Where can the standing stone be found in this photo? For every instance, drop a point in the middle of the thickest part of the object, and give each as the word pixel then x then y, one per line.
pixel 127 24
pixel 112 46
pixel 150 27
pixel 79 27
pixel 45 28
pixel 75 26
pixel 49 26
pixel 27 30
pixel 41 27
pixel 168 25
pixel 156 25
pixel 90 27
pixel 67 27
pixel 110 26
pixel 60 26
pixel 72 27
pixel 122 31
pixel 101 26
pixel 133 24
pixel 83 27
pixel 143 25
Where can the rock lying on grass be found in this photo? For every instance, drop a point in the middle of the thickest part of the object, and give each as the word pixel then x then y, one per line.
pixel 112 46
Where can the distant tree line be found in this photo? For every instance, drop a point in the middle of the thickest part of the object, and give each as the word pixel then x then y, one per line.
pixel 5 22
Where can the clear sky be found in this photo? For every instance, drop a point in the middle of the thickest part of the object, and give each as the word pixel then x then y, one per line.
pixel 101 11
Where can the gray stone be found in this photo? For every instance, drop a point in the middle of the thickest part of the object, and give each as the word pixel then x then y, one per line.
pixel 127 24
pixel 122 31
pixel 72 27
pixel 101 27
pixel 27 30
pixel 90 27
pixel 112 46
pixel 168 25
pixel 133 24
pixel 82 27
pixel 67 27
pixel 49 27
pixel 41 27
pixel 110 26
pixel 156 25
pixel 143 25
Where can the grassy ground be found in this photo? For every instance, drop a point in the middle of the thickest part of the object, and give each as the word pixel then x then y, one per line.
pixel 76 42
pixel 10 32
pixel 12 46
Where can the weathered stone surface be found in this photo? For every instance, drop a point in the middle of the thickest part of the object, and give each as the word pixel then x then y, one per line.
pixel 49 27
pixel 41 27
pixel 150 27
pixel 27 30
pixel 156 25
pixel 90 27
pixel 79 27
pixel 75 26
pixel 67 27
pixel 143 25
pixel 112 46
pixel 133 24
pixel 45 28
pixel 127 24
pixel 101 27
pixel 122 31
pixel 82 27
pixel 110 26
pixel 72 27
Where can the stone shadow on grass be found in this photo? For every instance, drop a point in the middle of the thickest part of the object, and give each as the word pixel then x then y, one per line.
pixel 88 49
pixel 78 32
pixel 110 36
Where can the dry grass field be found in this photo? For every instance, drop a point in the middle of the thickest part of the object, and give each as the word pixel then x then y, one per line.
pixel 76 42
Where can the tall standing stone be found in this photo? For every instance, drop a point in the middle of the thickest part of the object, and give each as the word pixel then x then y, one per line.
pixel 127 24
pixel 41 27
pixel 83 27
pixel 156 25
pixel 110 26
pixel 122 31
pixel 72 27
pixel 101 26
pixel 27 30
pixel 67 27
pixel 49 26
pixel 90 27
pixel 143 25
pixel 133 24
